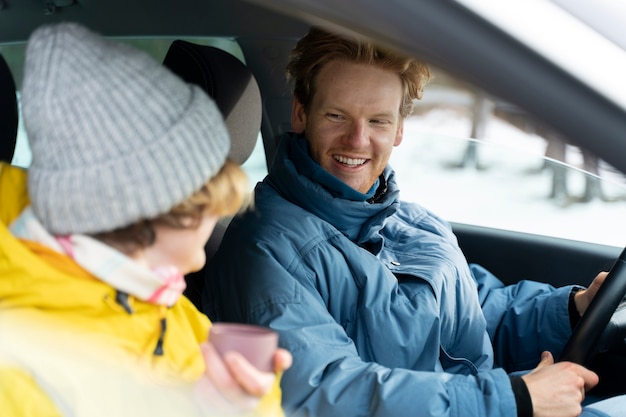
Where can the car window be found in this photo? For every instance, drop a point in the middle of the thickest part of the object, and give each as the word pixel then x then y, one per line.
pixel 474 159
pixel 255 166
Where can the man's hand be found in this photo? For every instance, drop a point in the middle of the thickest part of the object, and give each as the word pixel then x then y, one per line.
pixel 231 385
pixel 557 390
pixel 583 298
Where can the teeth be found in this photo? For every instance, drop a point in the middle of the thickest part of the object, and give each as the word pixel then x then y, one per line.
pixel 349 161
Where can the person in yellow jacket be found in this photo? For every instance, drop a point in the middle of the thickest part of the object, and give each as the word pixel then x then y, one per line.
pixel 130 173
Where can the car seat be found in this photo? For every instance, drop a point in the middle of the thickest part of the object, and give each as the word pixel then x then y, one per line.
pixel 9 116
pixel 235 90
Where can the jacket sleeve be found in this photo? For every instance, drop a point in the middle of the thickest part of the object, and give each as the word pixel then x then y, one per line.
pixel 523 319
pixel 18 389
pixel 327 376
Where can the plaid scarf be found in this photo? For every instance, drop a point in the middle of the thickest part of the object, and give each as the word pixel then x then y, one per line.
pixel 162 285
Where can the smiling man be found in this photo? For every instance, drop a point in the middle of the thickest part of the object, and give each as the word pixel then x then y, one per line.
pixel 371 294
pixel 352 127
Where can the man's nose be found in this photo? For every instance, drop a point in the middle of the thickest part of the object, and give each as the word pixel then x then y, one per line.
pixel 357 136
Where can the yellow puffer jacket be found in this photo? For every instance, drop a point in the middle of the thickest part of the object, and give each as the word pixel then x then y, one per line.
pixel 68 349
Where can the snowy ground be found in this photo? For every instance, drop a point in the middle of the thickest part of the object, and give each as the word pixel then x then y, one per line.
pixel 510 190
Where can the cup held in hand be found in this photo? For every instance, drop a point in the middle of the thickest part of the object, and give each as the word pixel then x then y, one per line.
pixel 257 344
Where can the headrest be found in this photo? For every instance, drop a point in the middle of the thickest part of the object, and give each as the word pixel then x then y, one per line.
pixel 9 113
pixel 230 83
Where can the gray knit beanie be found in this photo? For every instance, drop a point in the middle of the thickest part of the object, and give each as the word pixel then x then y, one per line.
pixel 115 136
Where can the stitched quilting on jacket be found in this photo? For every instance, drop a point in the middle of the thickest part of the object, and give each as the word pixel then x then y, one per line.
pixel 376 302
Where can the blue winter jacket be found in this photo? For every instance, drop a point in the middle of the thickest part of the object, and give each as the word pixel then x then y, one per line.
pixel 377 303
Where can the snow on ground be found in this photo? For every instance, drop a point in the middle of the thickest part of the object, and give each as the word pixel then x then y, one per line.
pixel 510 190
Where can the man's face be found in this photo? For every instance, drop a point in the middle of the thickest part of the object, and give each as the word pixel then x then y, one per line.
pixel 353 122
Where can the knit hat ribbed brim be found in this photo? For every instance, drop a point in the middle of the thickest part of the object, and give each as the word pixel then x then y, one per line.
pixel 115 136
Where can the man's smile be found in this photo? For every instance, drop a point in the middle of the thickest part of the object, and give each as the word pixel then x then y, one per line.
pixel 350 162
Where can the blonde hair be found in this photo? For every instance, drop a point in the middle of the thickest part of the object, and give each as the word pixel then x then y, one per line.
pixel 319 47
pixel 223 195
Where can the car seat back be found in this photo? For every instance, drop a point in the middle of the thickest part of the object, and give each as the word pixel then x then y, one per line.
pixel 235 90
pixel 9 116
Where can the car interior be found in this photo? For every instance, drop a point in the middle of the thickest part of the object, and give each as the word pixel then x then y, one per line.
pixel 255 98
pixel 233 87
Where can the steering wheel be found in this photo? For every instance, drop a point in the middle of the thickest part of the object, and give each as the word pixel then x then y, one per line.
pixel 581 346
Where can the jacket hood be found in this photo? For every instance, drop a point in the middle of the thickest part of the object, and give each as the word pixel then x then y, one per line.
pixel 357 220
pixel 33 275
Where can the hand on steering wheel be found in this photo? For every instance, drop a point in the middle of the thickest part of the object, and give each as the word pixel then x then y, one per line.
pixel 581 346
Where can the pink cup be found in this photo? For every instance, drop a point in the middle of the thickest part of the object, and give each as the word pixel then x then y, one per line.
pixel 257 344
